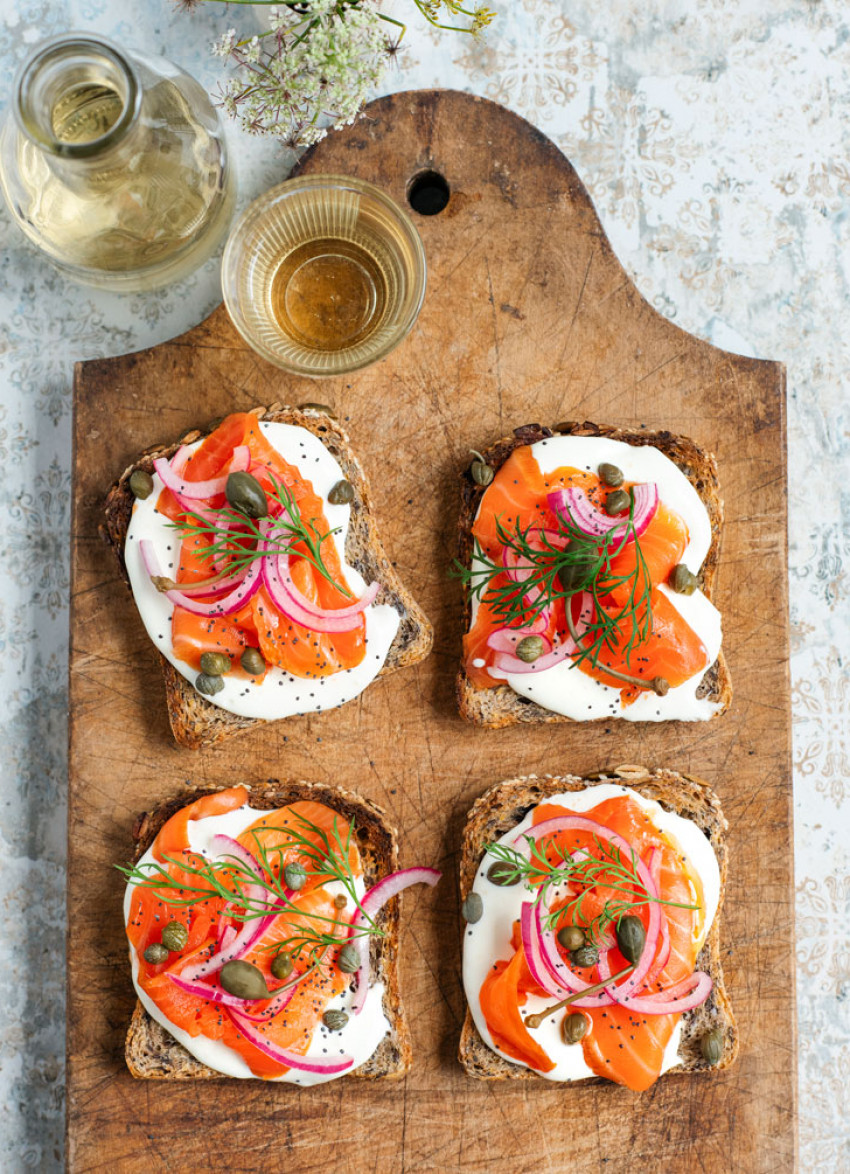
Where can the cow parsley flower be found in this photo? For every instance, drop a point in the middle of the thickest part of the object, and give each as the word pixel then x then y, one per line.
pixel 318 61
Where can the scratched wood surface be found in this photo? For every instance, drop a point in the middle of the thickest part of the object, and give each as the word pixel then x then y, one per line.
pixel 528 317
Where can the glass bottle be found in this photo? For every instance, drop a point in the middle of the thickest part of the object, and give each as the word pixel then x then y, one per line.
pixel 114 164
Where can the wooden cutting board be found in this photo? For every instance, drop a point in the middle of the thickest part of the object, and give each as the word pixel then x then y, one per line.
pixel 528 317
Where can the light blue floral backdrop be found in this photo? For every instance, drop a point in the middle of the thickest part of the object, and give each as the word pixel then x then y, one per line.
pixel 713 136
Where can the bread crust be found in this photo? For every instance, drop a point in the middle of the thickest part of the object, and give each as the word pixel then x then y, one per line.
pixel 500 706
pixel 504 805
pixel 197 721
pixel 151 1051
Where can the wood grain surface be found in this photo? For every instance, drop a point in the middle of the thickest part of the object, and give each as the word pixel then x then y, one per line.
pixel 528 317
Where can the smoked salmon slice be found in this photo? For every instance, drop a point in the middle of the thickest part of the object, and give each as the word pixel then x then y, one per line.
pixel 620 1045
pixel 668 646
pixel 294 1026
pixel 284 644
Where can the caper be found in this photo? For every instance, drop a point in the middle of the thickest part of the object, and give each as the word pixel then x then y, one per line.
pixel 502 873
pixel 529 648
pixel 617 502
pixel 683 581
pixel 175 936
pixel 348 959
pixel 573 575
pixel 472 909
pixel 205 683
pixel 252 662
pixel 215 664
pixel 295 876
pixel 243 980
pixel 281 965
pixel 317 408
pixel 712 1046
pixel 335 1020
pixel 572 937
pixel 340 901
pixel 584 956
pixel 574 1027
pixel 141 483
pixel 610 475
pixel 660 686
pixel 156 953
pixel 246 495
pixel 481 473
pixel 341 494
pixel 631 938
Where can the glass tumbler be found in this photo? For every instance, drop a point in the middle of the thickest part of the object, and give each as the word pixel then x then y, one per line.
pixel 323 275
pixel 114 165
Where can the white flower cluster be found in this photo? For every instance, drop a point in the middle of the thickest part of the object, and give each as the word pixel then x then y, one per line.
pixel 315 65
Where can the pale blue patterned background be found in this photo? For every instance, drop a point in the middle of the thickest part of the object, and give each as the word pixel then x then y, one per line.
pixel 713 136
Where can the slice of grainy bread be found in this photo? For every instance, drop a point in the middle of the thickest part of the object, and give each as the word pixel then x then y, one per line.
pixel 507 803
pixel 500 706
pixel 151 1051
pixel 195 720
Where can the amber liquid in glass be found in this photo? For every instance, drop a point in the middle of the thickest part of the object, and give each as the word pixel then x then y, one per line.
pixel 328 294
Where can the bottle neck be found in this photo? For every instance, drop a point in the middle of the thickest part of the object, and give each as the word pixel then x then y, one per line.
pixel 77 97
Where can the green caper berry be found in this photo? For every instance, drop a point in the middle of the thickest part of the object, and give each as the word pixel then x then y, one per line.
pixel 317 408
pixel 281 967
pixel 481 473
pixel 529 648
pixel 502 873
pixel 617 502
pixel 205 683
pixel 584 956
pixel 712 1046
pixel 141 484
pixel 341 494
pixel 340 901
pixel 246 495
pixel 683 581
pixel 175 936
pixel 572 937
pixel 156 953
pixel 348 960
pixel 215 664
pixel 295 876
pixel 660 686
pixel 472 909
pixel 574 1028
pixel 610 475
pixel 335 1020
pixel 252 662
pixel 243 980
pixel 631 938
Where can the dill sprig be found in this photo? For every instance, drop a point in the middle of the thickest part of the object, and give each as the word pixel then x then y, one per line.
pixel 227 880
pixel 608 870
pixel 238 539
pixel 562 569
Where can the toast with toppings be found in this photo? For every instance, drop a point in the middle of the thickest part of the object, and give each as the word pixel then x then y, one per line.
pixel 196 720
pixel 151 1051
pixel 507 803
pixel 493 704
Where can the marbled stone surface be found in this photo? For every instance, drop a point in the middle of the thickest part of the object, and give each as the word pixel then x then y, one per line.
pixel 713 136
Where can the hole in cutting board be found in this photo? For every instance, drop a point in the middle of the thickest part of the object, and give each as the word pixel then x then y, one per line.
pixel 428 193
